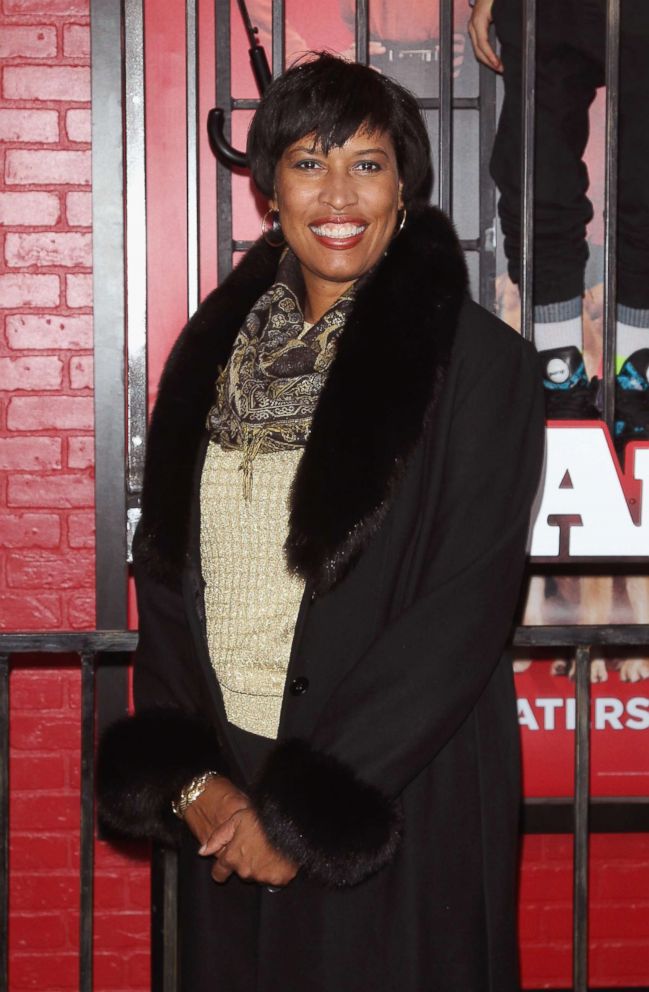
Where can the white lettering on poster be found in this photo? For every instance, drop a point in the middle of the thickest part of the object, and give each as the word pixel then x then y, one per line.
pixel 557 713
pixel 588 507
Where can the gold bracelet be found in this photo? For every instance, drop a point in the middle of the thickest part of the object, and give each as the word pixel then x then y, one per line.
pixel 191 792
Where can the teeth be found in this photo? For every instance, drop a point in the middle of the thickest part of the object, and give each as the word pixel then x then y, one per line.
pixel 338 230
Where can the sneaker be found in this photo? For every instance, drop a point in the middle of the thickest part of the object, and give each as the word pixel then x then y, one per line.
pixel 632 399
pixel 568 393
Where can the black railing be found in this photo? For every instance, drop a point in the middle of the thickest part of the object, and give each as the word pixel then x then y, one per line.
pixel 89 648
pixel 115 324
pixel 580 816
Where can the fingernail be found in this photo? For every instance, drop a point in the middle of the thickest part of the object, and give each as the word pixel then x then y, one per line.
pixel 202 849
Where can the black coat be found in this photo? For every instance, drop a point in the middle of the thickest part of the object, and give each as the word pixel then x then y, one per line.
pixel 394 781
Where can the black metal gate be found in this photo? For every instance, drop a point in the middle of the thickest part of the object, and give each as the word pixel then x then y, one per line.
pixel 119 234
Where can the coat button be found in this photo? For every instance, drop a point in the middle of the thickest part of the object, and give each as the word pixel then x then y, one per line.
pixel 299 686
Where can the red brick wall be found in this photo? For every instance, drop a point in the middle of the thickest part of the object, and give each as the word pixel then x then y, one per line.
pixel 619 911
pixel 46 417
pixel 46 538
pixel 47 496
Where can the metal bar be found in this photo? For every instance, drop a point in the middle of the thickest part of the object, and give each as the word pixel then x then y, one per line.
pixel 626 635
pixel 580 842
pixel 424 103
pixel 77 642
pixel 362 32
pixel 107 30
pixel 610 205
pixel 445 131
pixel 136 261
pixel 191 97
pixel 487 208
pixel 87 820
pixel 164 920
pixel 4 820
pixel 109 310
pixel 467 244
pixel 607 815
pixel 223 174
pixel 279 40
pixel 244 103
pixel 527 169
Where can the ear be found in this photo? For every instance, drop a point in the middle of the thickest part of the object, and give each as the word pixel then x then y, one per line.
pixel 400 200
pixel 273 203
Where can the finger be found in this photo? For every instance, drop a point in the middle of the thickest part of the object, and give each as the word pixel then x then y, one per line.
pixel 218 839
pixel 277 876
pixel 220 873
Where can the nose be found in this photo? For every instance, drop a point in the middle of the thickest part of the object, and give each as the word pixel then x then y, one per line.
pixel 338 190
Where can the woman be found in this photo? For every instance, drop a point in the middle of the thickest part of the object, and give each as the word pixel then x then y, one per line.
pixel 363 413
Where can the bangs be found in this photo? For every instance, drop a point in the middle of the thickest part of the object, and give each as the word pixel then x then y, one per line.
pixel 329 99
pixel 332 113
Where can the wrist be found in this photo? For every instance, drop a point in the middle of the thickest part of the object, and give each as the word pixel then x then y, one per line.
pixel 191 792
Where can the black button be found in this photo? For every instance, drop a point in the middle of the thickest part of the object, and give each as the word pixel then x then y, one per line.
pixel 299 686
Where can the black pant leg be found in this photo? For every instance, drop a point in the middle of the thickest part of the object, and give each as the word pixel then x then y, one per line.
pixel 633 186
pixel 566 84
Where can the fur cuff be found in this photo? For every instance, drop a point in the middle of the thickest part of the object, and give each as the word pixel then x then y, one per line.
pixel 143 763
pixel 318 813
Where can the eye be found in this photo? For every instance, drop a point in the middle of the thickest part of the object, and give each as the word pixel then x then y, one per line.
pixel 307 164
pixel 367 165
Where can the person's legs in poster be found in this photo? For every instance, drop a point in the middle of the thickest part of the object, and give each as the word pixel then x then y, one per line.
pixel 566 82
pixel 632 340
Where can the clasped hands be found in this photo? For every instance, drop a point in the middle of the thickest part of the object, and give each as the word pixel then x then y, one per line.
pixel 228 829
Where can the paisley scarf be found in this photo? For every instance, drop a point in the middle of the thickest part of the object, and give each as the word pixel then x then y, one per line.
pixel 268 391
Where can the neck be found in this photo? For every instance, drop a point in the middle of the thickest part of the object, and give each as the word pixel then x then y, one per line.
pixel 320 296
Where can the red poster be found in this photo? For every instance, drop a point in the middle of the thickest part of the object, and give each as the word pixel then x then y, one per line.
pixel 592 510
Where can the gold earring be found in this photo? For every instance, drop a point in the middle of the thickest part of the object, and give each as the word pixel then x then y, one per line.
pixel 401 225
pixel 271 229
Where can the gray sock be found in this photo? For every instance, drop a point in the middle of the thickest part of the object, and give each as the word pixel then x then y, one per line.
pixel 558 325
pixel 632 331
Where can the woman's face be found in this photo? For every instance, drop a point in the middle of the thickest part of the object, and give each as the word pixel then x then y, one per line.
pixel 338 211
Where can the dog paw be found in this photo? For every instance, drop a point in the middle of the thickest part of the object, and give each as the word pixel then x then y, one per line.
pixel 634 669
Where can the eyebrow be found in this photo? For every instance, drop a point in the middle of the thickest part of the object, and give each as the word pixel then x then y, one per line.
pixel 303 148
pixel 315 151
pixel 372 151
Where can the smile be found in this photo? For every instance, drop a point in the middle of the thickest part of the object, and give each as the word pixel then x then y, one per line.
pixel 338 231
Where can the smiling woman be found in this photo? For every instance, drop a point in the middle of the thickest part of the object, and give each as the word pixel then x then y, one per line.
pixel 340 469
pixel 338 211
pixel 338 187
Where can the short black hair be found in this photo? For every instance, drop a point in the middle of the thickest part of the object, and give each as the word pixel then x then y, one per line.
pixel 331 98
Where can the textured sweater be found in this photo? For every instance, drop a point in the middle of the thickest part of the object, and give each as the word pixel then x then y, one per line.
pixel 251 600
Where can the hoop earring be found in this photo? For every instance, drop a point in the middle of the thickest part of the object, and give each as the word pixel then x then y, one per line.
pixel 401 225
pixel 271 229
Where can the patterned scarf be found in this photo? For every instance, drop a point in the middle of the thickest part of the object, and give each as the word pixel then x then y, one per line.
pixel 268 391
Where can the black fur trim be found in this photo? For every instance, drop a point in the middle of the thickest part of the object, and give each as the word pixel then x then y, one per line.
pixel 383 383
pixel 318 813
pixel 143 763
pixel 185 395
pixel 390 365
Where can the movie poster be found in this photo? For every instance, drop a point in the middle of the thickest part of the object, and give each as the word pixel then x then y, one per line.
pixel 593 512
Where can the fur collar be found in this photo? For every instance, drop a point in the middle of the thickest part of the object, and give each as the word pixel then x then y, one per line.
pixel 390 364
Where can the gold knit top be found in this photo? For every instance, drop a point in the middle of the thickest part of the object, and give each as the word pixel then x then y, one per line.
pixel 251 599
